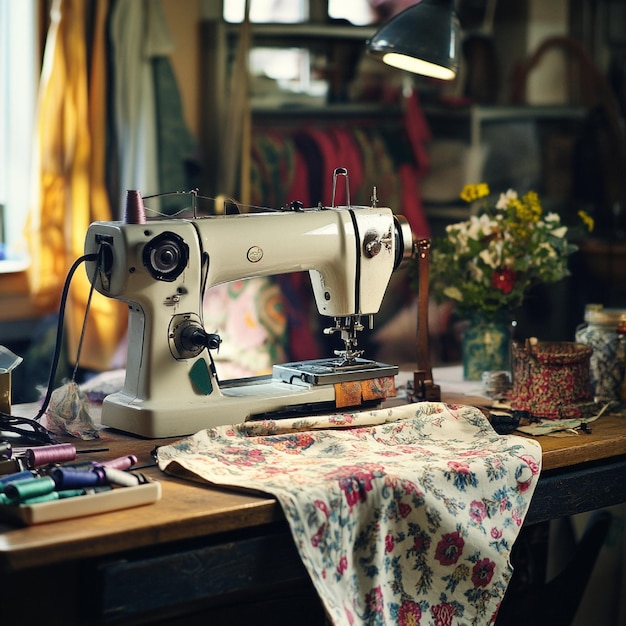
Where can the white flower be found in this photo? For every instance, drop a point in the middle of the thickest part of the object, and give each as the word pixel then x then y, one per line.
pixel 508 261
pixel 505 198
pixel 475 271
pixel 461 244
pixel 551 252
pixel 491 256
pixel 479 227
pixel 457 233
pixel 560 232
pixel 454 293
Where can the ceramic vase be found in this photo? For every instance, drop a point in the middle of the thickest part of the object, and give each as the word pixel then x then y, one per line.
pixel 486 346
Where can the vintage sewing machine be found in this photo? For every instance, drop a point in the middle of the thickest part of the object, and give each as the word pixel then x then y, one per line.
pixel 162 269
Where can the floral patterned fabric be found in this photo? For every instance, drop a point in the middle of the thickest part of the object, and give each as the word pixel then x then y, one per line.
pixel 404 515
pixel 250 319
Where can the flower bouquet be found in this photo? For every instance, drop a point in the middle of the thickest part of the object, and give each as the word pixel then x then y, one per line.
pixel 488 263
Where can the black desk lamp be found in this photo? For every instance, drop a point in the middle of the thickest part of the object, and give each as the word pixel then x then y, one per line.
pixel 423 39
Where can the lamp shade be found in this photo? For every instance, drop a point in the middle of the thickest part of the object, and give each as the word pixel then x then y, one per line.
pixel 423 39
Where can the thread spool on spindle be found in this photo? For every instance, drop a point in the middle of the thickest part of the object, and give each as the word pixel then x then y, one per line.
pixel 47 455
pixel 135 212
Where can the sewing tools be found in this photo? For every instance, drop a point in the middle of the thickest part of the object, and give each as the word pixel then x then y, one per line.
pixel 48 490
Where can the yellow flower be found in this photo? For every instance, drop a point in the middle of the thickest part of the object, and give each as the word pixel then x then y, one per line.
pixel 588 221
pixel 472 192
pixel 532 200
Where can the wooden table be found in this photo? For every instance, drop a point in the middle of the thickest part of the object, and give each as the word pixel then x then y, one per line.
pixel 200 550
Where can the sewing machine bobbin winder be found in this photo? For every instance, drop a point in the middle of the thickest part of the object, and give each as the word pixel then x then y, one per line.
pixel 163 267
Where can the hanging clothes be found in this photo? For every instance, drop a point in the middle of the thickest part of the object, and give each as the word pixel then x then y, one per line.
pixel 138 32
pixel 70 173
pixel 176 148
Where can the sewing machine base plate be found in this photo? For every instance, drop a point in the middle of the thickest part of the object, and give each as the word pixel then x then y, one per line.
pixel 330 371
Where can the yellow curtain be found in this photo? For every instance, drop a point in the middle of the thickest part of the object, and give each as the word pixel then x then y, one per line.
pixel 71 170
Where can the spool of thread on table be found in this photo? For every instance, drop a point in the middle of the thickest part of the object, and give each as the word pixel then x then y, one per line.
pixel 121 463
pixel 9 478
pixel 20 490
pixel 70 478
pixel 48 455
pixel 84 491
pixel 47 497
pixel 124 479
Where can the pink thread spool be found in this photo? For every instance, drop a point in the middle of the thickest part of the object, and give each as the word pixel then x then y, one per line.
pixel 46 455
pixel 135 212
pixel 121 463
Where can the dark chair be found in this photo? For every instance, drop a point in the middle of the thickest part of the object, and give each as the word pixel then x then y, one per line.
pixel 555 602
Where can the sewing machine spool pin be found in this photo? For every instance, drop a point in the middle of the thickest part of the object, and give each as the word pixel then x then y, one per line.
pixel 374 198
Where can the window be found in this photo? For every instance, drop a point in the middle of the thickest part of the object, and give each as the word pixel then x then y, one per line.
pixel 290 75
pixel 267 11
pixel 18 88
pixel 357 12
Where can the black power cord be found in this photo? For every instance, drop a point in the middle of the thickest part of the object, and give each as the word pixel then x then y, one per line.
pixel 29 429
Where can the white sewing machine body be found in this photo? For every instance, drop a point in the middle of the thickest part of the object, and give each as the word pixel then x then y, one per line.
pixel 162 269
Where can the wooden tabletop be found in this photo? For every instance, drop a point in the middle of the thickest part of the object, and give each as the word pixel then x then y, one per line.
pixel 185 510
pixel 189 510
pixel 606 438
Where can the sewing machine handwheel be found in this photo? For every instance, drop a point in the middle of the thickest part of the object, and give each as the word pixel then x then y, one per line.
pixel 403 241
pixel 166 256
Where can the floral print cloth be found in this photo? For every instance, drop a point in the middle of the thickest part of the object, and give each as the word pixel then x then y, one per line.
pixel 402 516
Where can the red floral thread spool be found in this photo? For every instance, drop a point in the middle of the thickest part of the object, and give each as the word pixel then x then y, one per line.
pixel 551 380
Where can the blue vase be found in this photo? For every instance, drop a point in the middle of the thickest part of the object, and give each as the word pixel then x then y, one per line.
pixel 486 346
